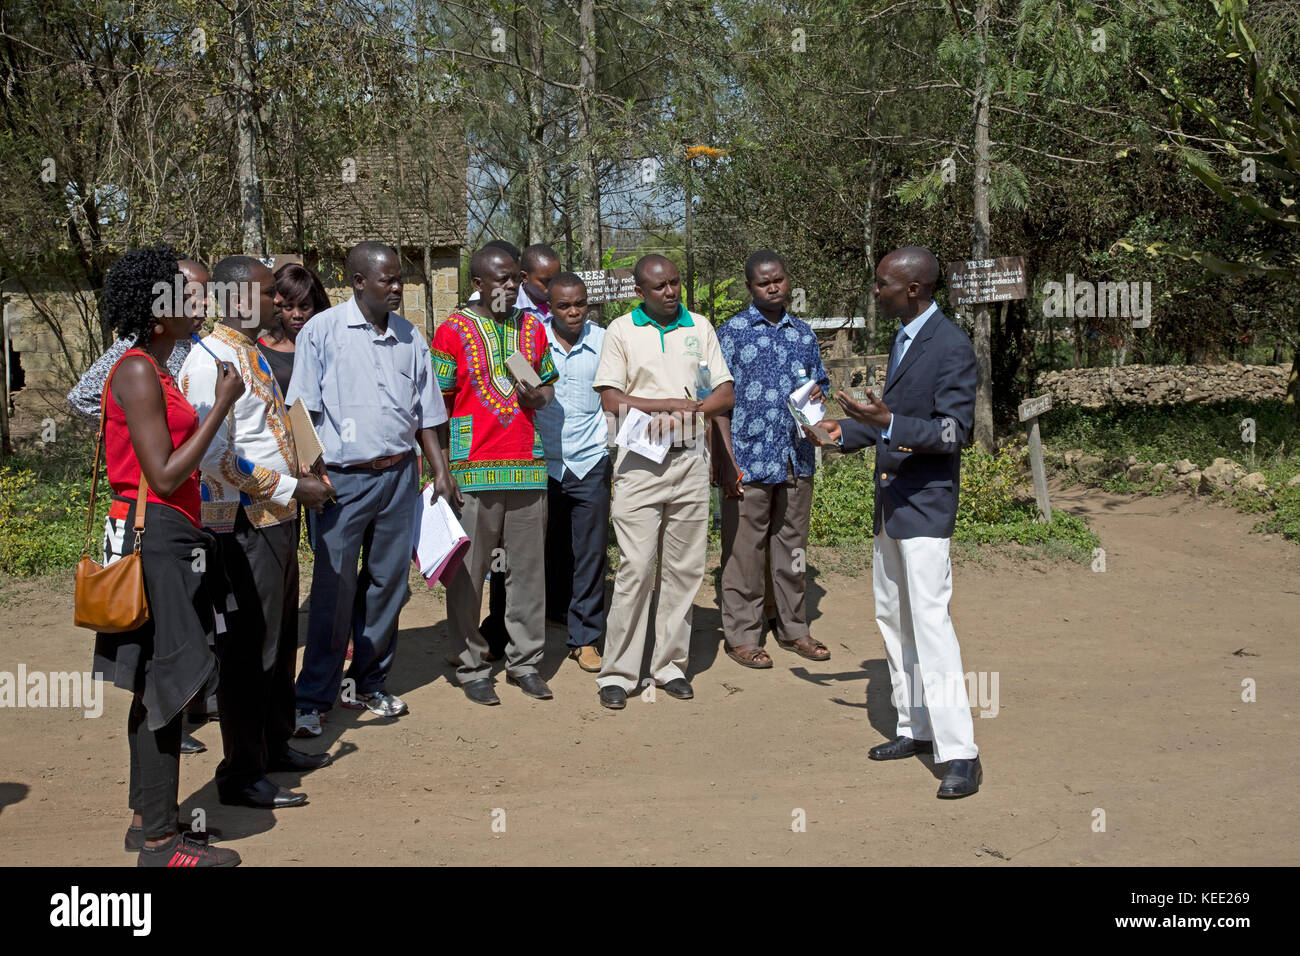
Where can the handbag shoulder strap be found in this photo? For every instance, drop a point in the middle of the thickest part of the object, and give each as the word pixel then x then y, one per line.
pixel 94 475
pixel 142 491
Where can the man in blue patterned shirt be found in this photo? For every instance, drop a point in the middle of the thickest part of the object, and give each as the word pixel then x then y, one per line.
pixel 767 507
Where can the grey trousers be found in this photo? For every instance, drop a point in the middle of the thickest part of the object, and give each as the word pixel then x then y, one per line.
pixel 507 532
pixel 775 517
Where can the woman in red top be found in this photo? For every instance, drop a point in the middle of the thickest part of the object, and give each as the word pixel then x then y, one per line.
pixel 149 426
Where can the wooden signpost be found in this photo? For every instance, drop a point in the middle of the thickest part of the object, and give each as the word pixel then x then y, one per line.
pixel 986 280
pixel 1029 412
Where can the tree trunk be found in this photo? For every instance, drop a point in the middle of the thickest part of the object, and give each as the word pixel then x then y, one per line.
pixel 250 195
pixel 535 147
pixel 982 244
pixel 869 254
pixel 690 242
pixel 588 190
pixel 1293 385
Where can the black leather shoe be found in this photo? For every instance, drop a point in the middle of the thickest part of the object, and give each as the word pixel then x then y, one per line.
pixel 613 697
pixel 191 745
pixel 297 760
pixel 531 684
pixel 680 688
pixel 962 779
pixel 901 747
pixel 263 795
pixel 481 692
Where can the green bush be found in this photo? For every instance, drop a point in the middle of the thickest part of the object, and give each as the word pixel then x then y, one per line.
pixel 43 513
pixel 1199 433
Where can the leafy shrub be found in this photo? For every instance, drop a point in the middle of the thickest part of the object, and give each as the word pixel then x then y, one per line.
pixel 42 522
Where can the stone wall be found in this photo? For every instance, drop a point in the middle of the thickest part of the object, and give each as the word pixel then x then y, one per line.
pixel 1164 384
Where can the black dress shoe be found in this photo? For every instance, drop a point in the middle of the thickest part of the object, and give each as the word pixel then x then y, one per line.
pixel 613 697
pixel 481 692
pixel 297 760
pixel 263 795
pixel 901 747
pixel 192 745
pixel 680 688
pixel 962 779
pixel 531 684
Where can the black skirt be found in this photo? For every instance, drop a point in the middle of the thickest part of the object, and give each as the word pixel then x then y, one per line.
pixel 169 658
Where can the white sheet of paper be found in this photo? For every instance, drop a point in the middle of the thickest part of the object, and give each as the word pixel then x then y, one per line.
pixel 635 436
pixel 437 533
pixel 813 411
pixel 522 371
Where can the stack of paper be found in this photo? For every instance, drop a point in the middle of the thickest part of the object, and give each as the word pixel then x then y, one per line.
pixel 440 541
pixel 636 435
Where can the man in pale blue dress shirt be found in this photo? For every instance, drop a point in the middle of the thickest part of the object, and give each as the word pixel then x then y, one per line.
pixel 575 439
pixel 364 374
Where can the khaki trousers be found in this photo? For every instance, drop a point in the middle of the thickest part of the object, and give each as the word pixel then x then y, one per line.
pixel 507 531
pixel 770 519
pixel 660 512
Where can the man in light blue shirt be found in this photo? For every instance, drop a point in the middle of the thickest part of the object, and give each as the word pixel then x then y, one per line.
pixel 365 376
pixel 574 438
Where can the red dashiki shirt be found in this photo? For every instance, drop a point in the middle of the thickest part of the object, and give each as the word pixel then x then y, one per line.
pixel 493 445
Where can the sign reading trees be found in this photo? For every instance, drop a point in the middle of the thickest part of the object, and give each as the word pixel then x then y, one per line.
pixel 608 285
pixel 986 280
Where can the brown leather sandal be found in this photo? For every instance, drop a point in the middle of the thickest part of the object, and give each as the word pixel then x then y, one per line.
pixel 806 646
pixel 749 655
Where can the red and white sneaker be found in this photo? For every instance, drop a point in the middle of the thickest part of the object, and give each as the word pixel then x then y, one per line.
pixel 180 850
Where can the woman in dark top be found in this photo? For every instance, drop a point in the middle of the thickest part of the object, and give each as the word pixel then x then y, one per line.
pixel 299 295
pixel 150 427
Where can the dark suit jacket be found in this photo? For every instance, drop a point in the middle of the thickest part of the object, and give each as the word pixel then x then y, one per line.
pixel 932 396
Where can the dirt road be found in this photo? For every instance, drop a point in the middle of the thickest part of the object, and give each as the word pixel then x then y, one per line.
pixel 1118 691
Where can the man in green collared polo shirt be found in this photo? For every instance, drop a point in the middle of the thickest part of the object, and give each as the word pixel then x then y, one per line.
pixel 649 361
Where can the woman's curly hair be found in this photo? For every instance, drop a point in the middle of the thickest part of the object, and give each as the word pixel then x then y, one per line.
pixel 129 290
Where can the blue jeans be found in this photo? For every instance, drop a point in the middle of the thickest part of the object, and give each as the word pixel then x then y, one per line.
pixel 374 519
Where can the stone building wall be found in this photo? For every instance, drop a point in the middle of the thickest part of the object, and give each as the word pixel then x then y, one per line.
pixel 48 365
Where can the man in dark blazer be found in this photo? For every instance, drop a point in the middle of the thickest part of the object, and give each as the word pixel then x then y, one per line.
pixel 918 426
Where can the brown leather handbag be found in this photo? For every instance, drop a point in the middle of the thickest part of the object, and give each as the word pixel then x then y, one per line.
pixel 111 599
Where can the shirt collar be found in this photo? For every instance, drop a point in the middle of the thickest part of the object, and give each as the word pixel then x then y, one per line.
pixel 683 320
pixel 357 318
pixel 913 328
pixel 524 302
pixel 756 317
pixel 584 338
pixel 232 337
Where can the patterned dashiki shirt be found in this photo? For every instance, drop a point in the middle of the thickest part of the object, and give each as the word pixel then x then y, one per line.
pixel 493 443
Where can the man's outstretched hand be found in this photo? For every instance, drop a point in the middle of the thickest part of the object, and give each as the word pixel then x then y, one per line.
pixel 830 426
pixel 873 411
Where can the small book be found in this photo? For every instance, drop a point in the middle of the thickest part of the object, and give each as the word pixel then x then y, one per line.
pixel 522 371
pixel 305 440
pixel 440 542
